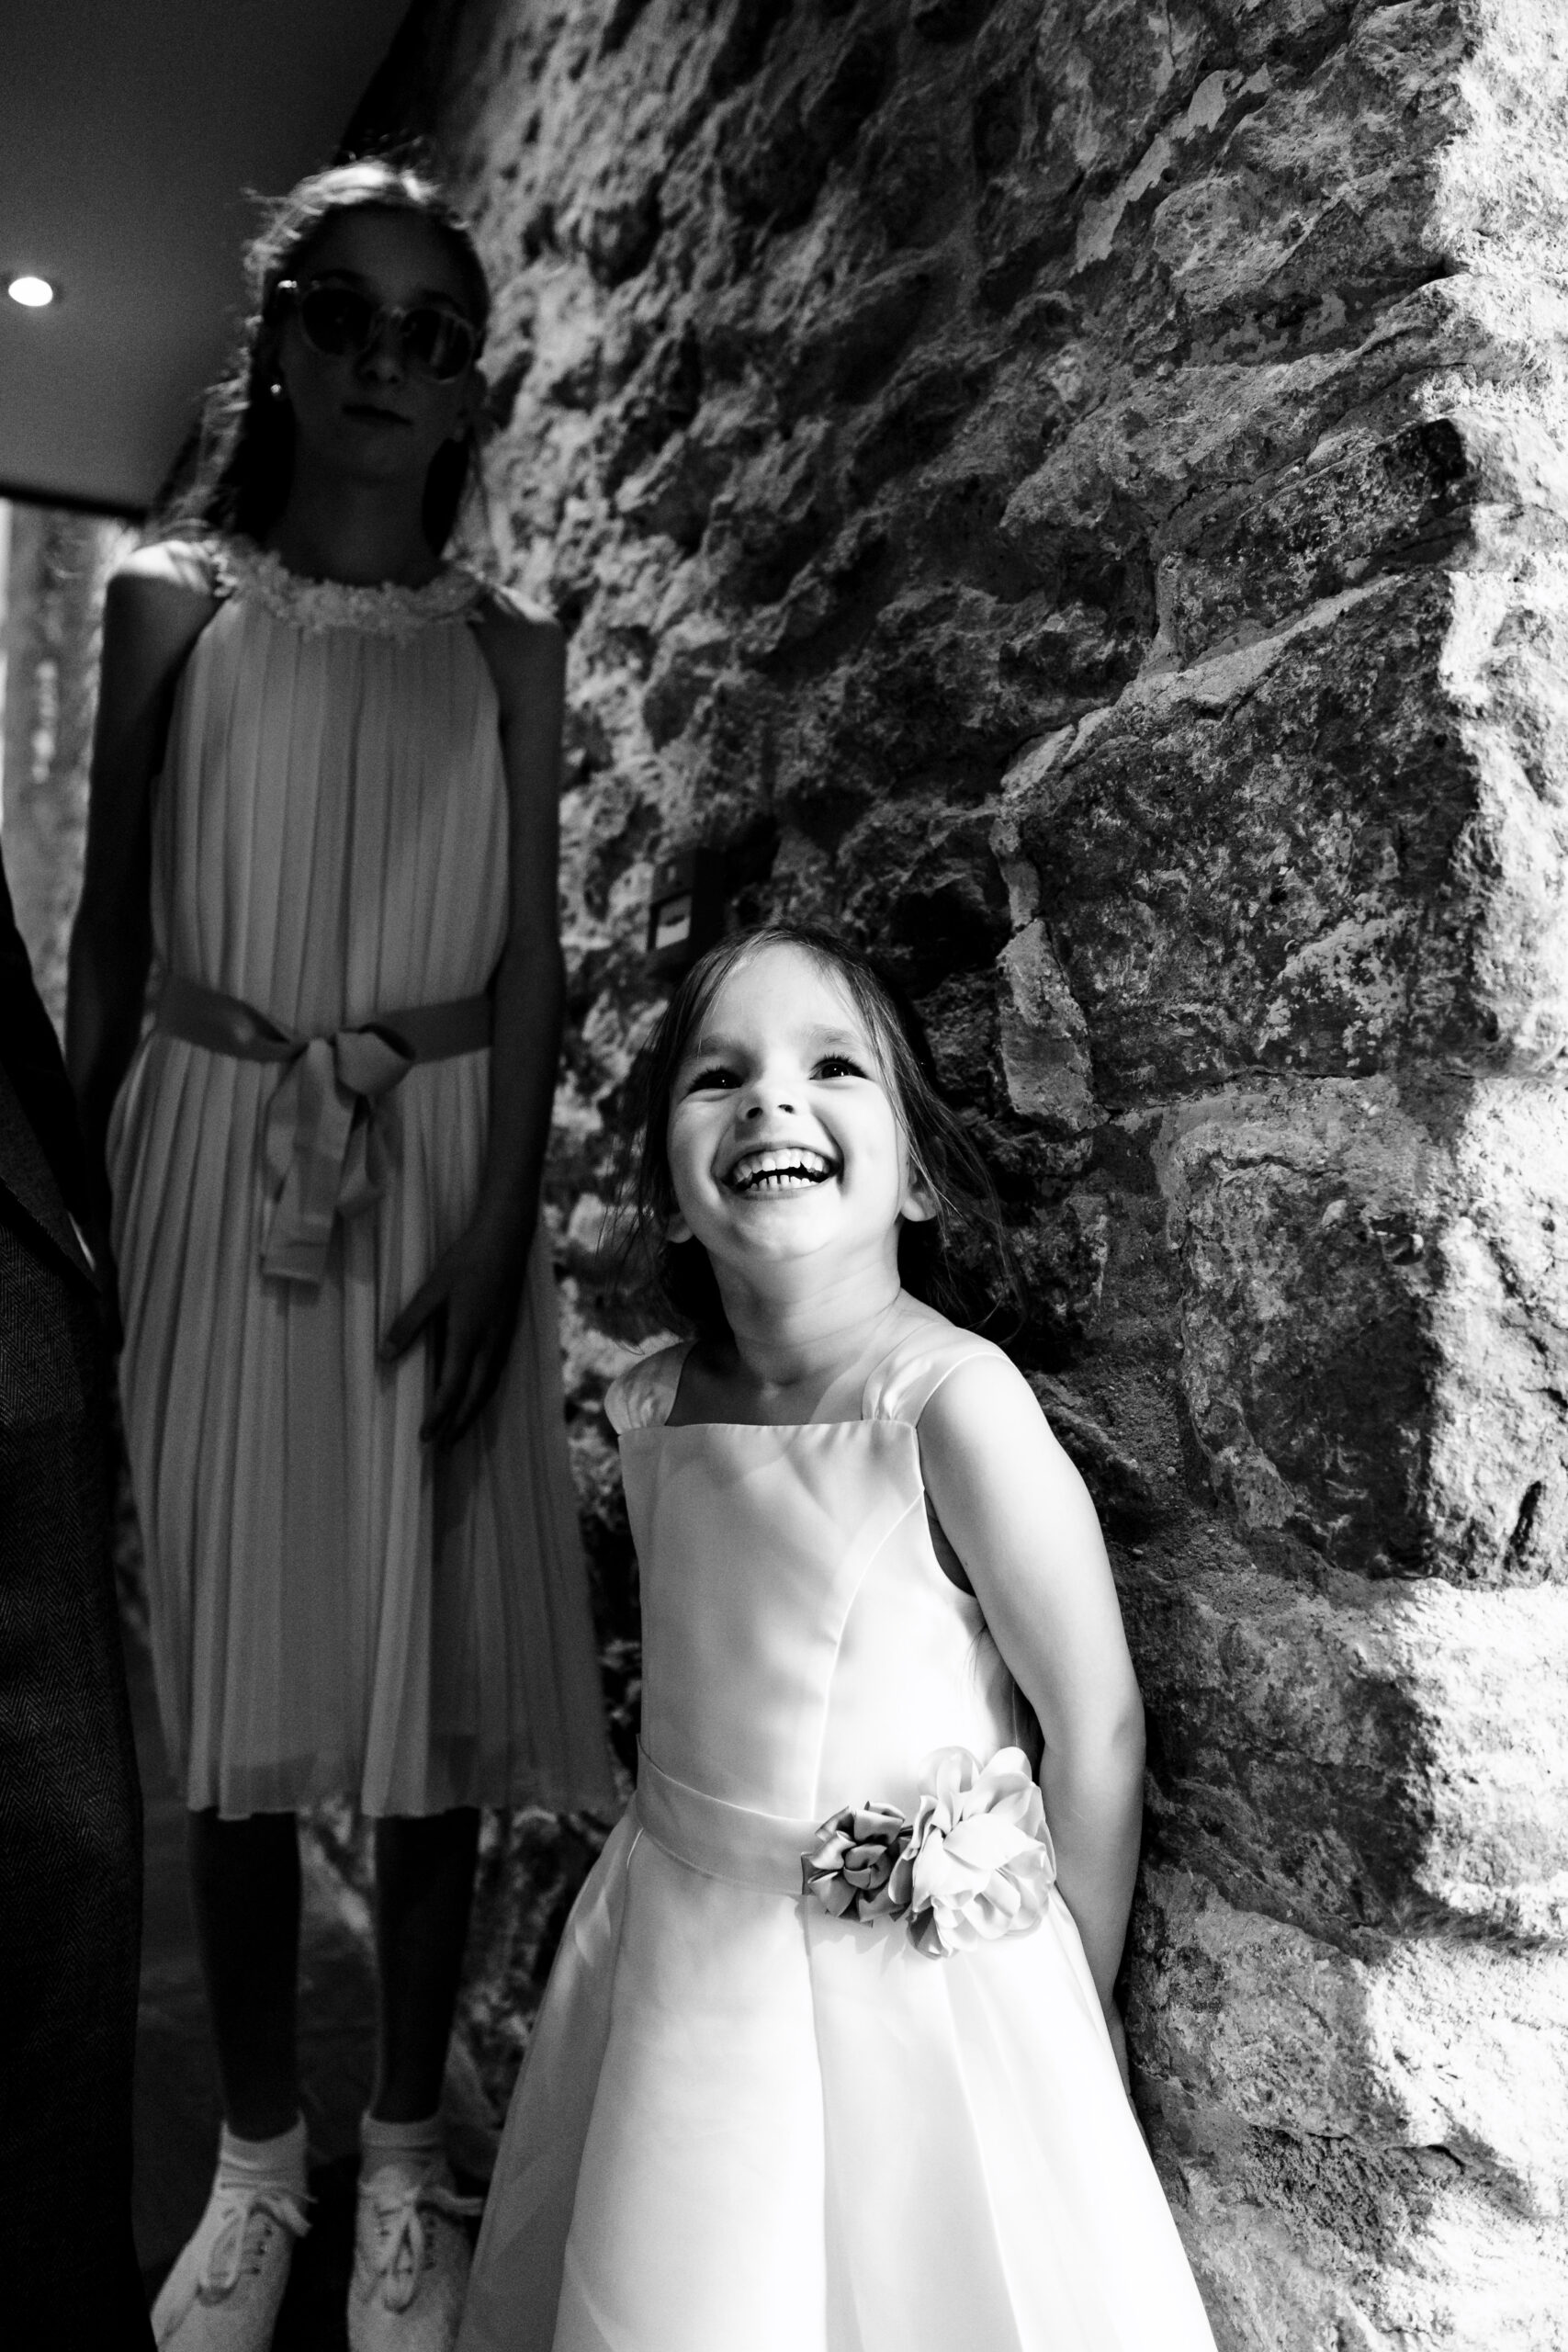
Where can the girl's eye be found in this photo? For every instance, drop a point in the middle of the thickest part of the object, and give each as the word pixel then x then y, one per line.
pixel 714 1076
pixel 839 1066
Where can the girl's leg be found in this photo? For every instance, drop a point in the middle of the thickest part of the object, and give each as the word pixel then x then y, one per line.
pixel 227 2284
pixel 410 2249
pixel 424 1884
pixel 245 1885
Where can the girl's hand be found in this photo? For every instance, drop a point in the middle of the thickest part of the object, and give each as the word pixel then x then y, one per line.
pixel 469 1305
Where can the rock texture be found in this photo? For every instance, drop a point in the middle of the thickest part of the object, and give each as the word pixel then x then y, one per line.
pixel 1077 493
pixel 53 568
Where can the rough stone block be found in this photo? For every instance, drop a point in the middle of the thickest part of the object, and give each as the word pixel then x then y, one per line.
pixel 1321 851
pixel 1045 1043
pixel 1366 1287
pixel 1394 2129
pixel 1361 1763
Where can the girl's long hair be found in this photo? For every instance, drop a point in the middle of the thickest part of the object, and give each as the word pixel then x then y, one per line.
pixel 960 1261
pixel 246 458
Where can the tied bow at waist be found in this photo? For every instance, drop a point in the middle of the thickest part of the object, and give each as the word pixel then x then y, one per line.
pixel 975 1864
pixel 324 1149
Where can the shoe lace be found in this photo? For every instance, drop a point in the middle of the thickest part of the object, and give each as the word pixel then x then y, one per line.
pixel 402 2249
pixel 229 2257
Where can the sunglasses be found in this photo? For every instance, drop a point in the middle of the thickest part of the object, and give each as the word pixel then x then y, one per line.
pixel 341 322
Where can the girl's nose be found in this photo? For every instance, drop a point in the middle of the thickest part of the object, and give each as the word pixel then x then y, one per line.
pixel 764 1099
pixel 382 358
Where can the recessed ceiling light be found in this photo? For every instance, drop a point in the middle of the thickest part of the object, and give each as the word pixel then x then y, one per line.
pixel 32 293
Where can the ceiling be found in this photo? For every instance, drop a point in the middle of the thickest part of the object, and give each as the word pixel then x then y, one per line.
pixel 131 131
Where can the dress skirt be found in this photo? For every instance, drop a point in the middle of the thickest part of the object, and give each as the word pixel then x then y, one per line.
pixel 745 2123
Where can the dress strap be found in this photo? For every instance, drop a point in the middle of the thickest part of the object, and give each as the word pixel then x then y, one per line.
pixel 644 1395
pixel 904 1383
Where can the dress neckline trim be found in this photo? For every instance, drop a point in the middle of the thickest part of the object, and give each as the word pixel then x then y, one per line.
pixel 384 608
pixel 667 1364
pixel 768 1429
pixel 672 1364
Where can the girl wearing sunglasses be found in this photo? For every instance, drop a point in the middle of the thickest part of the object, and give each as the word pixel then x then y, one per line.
pixel 324 823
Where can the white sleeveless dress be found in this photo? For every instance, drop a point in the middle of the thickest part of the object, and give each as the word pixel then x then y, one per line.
pixel 335 1608
pixel 743 2122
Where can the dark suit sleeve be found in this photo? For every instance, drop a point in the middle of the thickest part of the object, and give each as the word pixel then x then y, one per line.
pixel 32 1055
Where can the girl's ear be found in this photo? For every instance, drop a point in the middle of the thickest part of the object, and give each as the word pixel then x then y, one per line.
pixel 677 1230
pixel 918 1206
pixel 466 427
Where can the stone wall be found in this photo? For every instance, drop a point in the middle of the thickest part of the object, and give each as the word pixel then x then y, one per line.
pixel 1076 491
pixel 53 568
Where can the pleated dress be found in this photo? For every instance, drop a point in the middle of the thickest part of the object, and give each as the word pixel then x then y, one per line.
pixel 743 2121
pixel 335 1607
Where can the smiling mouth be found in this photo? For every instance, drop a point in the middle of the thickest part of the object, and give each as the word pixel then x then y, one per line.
pixel 792 1170
pixel 366 413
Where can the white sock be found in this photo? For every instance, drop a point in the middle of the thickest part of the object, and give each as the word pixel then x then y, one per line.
pixel 413 2147
pixel 278 2163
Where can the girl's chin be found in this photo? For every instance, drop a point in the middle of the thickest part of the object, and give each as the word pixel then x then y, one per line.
pixel 772 1248
pixel 779 1261
pixel 370 455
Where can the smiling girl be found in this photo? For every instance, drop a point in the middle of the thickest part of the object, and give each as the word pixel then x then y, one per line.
pixel 829 2060
pixel 323 821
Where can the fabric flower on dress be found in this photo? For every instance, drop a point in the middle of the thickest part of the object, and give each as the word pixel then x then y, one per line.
pixel 976 1863
pixel 857 1869
pixel 980 1856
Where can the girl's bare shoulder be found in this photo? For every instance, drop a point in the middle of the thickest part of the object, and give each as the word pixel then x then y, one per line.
pixel 188 565
pixel 160 598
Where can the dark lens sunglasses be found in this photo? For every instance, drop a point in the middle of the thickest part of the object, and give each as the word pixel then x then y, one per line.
pixel 339 322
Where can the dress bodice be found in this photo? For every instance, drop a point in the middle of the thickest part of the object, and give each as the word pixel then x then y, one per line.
pixel 801 1648
pixel 331 825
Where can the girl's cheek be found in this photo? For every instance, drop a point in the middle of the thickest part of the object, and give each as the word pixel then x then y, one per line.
pixel 676 1155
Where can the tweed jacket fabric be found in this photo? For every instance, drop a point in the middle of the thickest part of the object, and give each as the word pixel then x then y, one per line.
pixel 70 1805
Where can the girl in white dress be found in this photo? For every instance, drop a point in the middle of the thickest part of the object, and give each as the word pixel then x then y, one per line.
pixel 829 2060
pixel 324 814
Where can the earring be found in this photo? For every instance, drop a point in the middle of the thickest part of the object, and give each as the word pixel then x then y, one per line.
pixel 274 389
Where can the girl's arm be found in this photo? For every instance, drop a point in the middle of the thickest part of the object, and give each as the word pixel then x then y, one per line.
pixel 158 604
pixel 473 1294
pixel 1019 1517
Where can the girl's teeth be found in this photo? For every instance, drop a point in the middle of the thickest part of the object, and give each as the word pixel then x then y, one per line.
pixel 784 1174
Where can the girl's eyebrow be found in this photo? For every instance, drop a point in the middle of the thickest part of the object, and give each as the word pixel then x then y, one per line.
pixel 709 1042
pixel 851 1037
pixel 813 1040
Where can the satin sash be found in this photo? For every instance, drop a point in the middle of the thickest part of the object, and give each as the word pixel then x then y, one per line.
pixel 323 1147
pixel 763 1850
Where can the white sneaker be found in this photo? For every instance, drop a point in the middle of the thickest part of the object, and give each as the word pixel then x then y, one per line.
pixel 411 2259
pixel 223 2292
